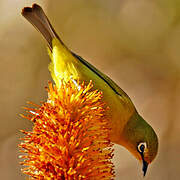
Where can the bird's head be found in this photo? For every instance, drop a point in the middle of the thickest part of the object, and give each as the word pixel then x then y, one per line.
pixel 141 140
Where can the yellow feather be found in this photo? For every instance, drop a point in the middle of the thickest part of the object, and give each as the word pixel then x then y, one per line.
pixel 62 63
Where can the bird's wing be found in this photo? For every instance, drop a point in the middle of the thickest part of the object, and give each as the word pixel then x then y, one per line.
pixel 123 97
pixel 104 77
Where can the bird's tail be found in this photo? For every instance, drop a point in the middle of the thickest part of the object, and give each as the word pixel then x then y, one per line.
pixel 63 62
pixel 36 16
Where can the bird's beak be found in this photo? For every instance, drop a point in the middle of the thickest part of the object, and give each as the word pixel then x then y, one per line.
pixel 145 166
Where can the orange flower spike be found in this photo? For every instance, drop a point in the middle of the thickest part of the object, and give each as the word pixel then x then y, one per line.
pixel 70 137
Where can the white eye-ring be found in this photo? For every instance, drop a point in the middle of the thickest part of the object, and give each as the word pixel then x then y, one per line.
pixel 142 147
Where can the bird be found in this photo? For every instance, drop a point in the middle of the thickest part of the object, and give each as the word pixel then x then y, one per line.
pixel 128 128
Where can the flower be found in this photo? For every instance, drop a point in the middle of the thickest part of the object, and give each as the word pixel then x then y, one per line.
pixel 70 136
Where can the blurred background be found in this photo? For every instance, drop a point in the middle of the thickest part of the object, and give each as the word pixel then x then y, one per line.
pixel 135 42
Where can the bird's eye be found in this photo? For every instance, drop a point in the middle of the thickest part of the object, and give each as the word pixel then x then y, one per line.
pixel 141 147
